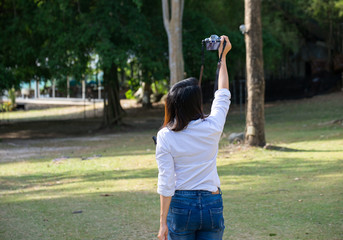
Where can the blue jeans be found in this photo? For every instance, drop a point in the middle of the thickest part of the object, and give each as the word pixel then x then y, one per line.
pixel 196 215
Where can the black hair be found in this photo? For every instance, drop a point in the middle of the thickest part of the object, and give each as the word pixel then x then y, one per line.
pixel 183 104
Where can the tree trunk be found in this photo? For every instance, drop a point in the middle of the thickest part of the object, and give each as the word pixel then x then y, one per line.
pixel 173 24
pixel 113 111
pixel 146 100
pixel 254 134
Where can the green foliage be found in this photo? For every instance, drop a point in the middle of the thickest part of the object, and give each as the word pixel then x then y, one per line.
pixel 272 51
pixel 61 85
pixel 196 27
pixel 280 39
pixel 9 105
pixel 111 27
pixel 339 6
pixel 151 53
pixel 129 94
pixel 6 107
pixel 133 83
pixel 323 10
pixel 54 39
pixel 160 87
pixel 229 14
pixel 7 78
pixel 236 57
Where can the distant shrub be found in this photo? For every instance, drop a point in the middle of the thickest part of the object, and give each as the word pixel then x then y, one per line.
pixel 6 107
pixel 129 94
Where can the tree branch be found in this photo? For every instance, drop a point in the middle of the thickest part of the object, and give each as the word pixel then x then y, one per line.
pixel 166 17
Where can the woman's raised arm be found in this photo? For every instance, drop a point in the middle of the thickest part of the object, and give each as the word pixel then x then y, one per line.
pixel 223 79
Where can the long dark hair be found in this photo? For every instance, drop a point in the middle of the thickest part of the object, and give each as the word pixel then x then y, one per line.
pixel 183 104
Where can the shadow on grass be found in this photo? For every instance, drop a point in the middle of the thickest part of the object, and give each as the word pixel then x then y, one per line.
pixel 99 215
pixel 89 149
pixel 73 128
pixel 285 149
pixel 286 166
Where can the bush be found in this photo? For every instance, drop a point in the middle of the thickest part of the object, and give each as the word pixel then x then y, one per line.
pixel 6 107
pixel 129 94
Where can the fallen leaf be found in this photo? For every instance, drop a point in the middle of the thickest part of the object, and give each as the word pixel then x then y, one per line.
pixel 77 212
pixel 106 195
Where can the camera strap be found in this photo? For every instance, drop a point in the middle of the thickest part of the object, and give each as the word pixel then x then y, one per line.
pixel 218 66
pixel 202 61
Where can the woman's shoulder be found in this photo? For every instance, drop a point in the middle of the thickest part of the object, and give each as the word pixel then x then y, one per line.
pixel 164 137
pixel 164 132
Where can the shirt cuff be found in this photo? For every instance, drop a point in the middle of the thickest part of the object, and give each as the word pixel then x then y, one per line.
pixel 223 92
pixel 165 193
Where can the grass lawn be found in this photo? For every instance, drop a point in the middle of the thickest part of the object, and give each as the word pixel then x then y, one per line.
pixel 104 187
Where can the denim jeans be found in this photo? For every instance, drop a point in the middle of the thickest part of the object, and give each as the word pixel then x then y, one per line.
pixel 196 215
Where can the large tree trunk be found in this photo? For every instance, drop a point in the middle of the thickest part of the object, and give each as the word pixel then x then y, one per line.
pixel 113 111
pixel 254 134
pixel 173 24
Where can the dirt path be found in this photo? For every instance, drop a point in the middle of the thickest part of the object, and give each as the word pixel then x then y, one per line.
pixel 20 140
pixel 66 123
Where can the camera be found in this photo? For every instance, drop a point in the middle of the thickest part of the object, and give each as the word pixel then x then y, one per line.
pixel 212 43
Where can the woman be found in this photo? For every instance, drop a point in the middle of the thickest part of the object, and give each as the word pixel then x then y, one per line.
pixel 186 151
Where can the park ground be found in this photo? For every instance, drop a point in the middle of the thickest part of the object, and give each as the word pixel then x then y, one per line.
pixel 63 178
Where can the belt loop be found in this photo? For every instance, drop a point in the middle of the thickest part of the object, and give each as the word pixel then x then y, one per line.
pixel 220 191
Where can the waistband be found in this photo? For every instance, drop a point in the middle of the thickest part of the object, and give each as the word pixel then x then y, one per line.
pixel 197 192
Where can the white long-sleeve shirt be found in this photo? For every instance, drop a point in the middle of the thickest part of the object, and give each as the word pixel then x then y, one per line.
pixel 187 159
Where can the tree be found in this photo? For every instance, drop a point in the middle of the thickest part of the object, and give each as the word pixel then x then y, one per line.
pixel 66 50
pixel 116 32
pixel 20 44
pixel 254 134
pixel 111 29
pixel 172 19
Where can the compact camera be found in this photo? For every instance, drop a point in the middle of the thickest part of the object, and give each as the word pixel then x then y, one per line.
pixel 212 43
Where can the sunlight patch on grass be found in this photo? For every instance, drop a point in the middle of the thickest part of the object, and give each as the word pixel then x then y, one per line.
pixel 54 113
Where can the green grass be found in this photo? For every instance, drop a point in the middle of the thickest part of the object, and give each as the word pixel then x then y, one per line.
pixel 293 189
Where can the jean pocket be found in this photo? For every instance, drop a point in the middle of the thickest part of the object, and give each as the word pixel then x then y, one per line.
pixel 179 219
pixel 217 218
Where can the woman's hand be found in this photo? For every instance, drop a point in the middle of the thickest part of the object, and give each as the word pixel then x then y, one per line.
pixel 163 233
pixel 227 46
